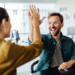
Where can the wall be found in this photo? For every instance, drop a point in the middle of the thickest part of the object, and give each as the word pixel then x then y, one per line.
pixel 33 1
pixel 68 13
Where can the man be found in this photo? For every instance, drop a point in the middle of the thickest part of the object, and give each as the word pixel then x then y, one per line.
pixel 58 50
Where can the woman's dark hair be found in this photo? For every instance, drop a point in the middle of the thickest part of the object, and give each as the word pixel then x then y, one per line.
pixel 3 14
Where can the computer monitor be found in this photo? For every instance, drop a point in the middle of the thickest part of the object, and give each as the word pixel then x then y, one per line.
pixel 71 30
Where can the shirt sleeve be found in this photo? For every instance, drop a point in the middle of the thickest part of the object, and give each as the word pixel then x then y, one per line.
pixel 19 55
pixel 29 42
pixel 73 51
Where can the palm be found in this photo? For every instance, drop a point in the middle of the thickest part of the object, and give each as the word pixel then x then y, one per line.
pixel 31 22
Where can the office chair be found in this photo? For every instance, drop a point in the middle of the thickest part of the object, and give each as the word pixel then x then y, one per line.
pixel 32 66
pixel 15 35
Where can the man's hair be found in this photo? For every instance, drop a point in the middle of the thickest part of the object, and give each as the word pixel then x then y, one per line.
pixel 56 14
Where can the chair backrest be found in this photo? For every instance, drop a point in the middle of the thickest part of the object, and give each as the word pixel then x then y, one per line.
pixel 32 66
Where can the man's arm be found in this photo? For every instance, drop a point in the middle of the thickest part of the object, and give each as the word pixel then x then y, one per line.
pixel 31 35
pixel 34 19
pixel 70 63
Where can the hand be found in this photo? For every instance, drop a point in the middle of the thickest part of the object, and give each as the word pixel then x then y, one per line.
pixel 34 15
pixel 65 65
pixel 31 22
pixel 40 21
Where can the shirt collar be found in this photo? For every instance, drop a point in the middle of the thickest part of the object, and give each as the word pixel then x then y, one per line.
pixel 62 36
pixel 49 36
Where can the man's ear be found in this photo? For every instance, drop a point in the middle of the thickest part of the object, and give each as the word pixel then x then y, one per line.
pixel 62 25
pixel 4 22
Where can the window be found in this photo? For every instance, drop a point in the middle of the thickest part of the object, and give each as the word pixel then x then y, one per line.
pixel 14 12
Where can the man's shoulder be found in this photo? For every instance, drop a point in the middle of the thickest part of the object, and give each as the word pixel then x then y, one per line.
pixel 68 38
pixel 44 35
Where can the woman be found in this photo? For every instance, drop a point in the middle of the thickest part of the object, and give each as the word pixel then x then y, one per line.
pixel 11 54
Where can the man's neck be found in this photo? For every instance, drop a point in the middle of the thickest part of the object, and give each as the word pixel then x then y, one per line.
pixel 57 37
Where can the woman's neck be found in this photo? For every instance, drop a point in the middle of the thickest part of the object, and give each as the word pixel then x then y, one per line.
pixel 1 36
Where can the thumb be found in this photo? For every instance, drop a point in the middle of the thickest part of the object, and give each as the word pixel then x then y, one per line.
pixel 42 19
pixel 29 13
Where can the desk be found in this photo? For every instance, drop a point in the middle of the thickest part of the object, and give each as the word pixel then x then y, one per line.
pixel 55 71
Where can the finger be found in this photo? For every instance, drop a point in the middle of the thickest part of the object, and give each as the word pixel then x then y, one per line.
pixel 67 67
pixel 32 5
pixel 28 13
pixel 59 67
pixel 37 10
pixel 62 67
pixel 34 9
pixel 42 19
pixel 31 12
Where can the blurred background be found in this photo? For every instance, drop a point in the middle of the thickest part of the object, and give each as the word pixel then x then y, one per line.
pixel 18 12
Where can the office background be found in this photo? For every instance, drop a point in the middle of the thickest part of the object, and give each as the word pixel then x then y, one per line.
pixel 18 12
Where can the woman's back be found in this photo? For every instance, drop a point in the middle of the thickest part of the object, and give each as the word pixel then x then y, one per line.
pixel 13 55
